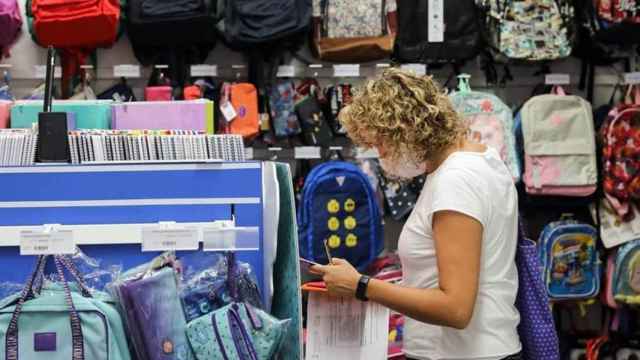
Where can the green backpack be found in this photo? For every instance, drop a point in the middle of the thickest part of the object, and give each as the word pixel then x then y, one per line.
pixel 35 325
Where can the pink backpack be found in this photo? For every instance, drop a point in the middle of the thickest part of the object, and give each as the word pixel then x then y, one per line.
pixel 5 110
pixel 10 25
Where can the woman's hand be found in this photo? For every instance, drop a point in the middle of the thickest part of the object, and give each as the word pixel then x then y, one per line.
pixel 341 277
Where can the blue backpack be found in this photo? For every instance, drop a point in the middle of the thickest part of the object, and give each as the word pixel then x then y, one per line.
pixel 569 258
pixel 626 276
pixel 339 205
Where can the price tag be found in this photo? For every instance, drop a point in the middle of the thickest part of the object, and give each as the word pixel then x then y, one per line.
pixel 166 238
pixel 222 238
pixel 248 153
pixel 47 242
pixel 367 154
pixel 632 78
pixel 418 69
pixel 307 152
pixel 286 71
pixel 346 70
pixel 228 111
pixel 127 71
pixel 204 70
pixel 557 79
pixel 436 21
pixel 40 72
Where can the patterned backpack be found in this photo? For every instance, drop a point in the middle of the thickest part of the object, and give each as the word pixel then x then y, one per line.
pixel 626 276
pixel 559 145
pixel 569 258
pixel 620 135
pixel 490 122
pixel 10 25
pixel 283 112
pixel 534 30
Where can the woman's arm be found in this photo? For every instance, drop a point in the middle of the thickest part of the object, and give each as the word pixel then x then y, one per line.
pixel 458 240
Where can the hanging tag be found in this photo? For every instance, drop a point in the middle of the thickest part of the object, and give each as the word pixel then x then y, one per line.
pixel 632 78
pixel 346 70
pixel 265 124
pixel 204 70
pixel 286 71
pixel 557 79
pixel 40 72
pixel 418 69
pixel 436 21
pixel 49 241
pixel 307 152
pixel 169 237
pixel 228 111
pixel 127 71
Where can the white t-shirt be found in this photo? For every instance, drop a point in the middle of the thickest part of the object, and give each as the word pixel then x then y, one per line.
pixel 478 185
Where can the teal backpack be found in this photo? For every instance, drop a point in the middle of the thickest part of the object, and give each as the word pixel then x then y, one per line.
pixel 89 114
pixel 60 321
pixel 626 276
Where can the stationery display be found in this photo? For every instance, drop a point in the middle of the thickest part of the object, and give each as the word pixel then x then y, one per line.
pixel 17 147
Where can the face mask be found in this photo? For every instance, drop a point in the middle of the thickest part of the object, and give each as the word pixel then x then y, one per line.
pixel 403 168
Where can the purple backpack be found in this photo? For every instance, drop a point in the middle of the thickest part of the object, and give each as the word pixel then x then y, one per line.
pixel 10 25
pixel 537 330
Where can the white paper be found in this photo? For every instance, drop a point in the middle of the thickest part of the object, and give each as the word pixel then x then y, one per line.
pixel 346 329
pixel 161 238
pixel 235 238
pixel 204 70
pixel 286 71
pixel 307 152
pixel 248 153
pixel 418 69
pixel 40 72
pixel 128 71
pixel 43 242
pixel 436 21
pixel 228 111
pixel 367 153
pixel 557 79
pixel 632 78
pixel 346 70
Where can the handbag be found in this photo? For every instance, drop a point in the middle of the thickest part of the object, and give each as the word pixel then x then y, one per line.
pixel 537 330
pixel 61 321
pixel 236 331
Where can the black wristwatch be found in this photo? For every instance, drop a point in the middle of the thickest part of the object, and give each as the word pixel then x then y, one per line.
pixel 361 290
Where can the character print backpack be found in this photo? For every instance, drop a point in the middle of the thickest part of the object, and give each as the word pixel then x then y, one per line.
pixel 534 30
pixel 569 258
pixel 283 112
pixel 490 122
pixel 620 136
pixel 626 276
pixel 339 207
pixel 559 145
pixel 337 96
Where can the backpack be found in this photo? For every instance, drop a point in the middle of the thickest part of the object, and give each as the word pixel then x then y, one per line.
pixel 353 30
pixel 569 258
pixel 490 122
pixel 422 38
pixel 239 105
pixel 536 30
pixel 607 297
pixel 620 135
pixel 283 112
pixel 337 96
pixel 626 277
pixel 339 206
pixel 315 130
pixel 559 145
pixel 10 25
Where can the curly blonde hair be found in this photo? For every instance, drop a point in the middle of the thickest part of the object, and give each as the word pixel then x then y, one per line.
pixel 404 113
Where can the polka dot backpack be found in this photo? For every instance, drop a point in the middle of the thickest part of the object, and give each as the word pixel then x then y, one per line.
pixel 339 208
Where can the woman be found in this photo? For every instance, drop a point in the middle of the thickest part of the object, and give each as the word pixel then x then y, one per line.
pixel 458 245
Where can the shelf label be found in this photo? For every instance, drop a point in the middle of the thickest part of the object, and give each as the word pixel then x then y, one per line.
pixel 346 70
pixel 557 79
pixel 367 153
pixel 436 21
pixel 127 71
pixel 47 242
pixel 632 78
pixel 40 72
pixel 166 237
pixel 307 152
pixel 222 238
pixel 248 153
pixel 286 71
pixel 204 70
pixel 418 69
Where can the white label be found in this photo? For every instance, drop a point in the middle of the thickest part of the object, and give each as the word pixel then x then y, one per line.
pixel 383 65
pixel 557 79
pixel 346 70
pixel 367 153
pixel 217 238
pixel 248 153
pixel 41 242
pixel 128 71
pixel 418 69
pixel 40 72
pixel 315 66
pixel 335 148
pixel 204 70
pixel 228 111
pixel 286 71
pixel 632 78
pixel 167 239
pixel 436 21
pixel 307 152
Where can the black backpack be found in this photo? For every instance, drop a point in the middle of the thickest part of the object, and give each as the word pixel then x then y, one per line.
pixel 462 32
pixel 174 32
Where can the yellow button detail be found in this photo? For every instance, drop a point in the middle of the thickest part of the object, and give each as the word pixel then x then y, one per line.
pixel 349 205
pixel 334 241
pixel 350 223
pixel 333 206
pixel 333 223
pixel 351 240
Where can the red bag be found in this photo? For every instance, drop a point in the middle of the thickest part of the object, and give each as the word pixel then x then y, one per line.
pixel 76 23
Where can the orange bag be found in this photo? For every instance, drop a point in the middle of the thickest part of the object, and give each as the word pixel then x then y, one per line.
pixel 243 98
pixel 192 92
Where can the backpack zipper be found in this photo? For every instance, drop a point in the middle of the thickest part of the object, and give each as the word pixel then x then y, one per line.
pixel 218 337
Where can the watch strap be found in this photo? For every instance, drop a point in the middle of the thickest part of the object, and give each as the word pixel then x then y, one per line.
pixel 361 290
